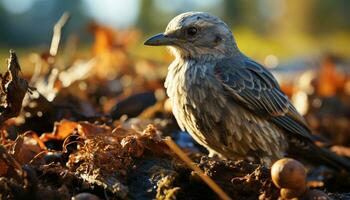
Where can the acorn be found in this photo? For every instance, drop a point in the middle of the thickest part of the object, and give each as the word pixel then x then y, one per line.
pixel 289 174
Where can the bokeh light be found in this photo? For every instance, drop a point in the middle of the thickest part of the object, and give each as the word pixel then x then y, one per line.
pixel 115 13
pixel 17 6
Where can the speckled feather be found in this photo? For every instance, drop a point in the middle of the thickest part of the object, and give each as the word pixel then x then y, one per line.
pixel 227 102
pixel 205 108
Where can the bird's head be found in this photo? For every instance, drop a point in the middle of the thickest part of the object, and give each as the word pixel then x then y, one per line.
pixel 196 35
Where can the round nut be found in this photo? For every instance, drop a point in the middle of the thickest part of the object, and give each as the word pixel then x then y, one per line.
pixel 289 173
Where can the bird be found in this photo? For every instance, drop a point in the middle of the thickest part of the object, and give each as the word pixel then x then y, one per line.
pixel 229 103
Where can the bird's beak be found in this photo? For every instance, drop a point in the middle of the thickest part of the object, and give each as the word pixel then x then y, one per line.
pixel 159 40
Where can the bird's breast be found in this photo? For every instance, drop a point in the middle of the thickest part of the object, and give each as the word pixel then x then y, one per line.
pixel 193 84
pixel 197 97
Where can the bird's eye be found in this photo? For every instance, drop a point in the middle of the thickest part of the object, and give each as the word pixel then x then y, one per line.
pixel 191 31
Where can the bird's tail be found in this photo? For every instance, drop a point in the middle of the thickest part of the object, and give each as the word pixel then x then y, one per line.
pixel 318 155
pixel 331 158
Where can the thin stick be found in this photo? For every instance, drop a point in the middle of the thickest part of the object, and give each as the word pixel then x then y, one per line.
pixel 195 168
pixel 57 29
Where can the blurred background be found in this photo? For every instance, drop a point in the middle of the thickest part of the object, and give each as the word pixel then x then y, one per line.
pixel 267 30
pixel 101 57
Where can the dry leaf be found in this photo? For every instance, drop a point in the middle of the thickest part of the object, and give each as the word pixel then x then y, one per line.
pixel 61 131
pixel 25 149
pixel 329 80
pixel 12 89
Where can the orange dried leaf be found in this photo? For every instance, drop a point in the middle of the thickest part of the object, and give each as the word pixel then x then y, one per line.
pixel 36 138
pixel 341 150
pixel 315 184
pixel 110 49
pixel 329 80
pixel 61 130
pixel 289 90
pixel 104 38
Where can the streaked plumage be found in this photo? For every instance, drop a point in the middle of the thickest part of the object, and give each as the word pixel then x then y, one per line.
pixel 227 102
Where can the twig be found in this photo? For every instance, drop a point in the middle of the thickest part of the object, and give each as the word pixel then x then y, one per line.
pixel 195 168
pixel 57 29
pixel 37 69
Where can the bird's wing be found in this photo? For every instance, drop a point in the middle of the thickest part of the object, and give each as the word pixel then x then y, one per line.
pixel 255 88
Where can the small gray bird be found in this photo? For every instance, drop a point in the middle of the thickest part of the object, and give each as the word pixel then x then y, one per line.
pixel 229 103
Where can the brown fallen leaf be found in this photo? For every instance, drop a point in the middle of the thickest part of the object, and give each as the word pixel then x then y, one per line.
pixel 329 81
pixel 12 89
pixel 110 48
pixel 60 131
pixel 86 129
pixel 25 148
pixel 64 128
pixel 315 184
pixel 341 150
pixel 10 166
pixel 3 168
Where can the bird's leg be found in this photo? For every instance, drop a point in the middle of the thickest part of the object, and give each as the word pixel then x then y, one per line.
pixel 215 155
pixel 211 154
